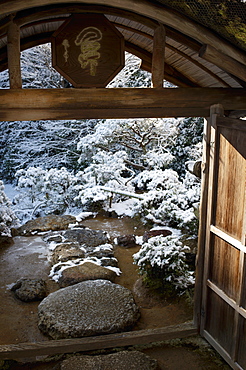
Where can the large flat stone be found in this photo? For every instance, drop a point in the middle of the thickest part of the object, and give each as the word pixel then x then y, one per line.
pixel 88 308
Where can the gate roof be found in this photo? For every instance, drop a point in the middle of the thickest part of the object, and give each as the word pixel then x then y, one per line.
pixel 194 29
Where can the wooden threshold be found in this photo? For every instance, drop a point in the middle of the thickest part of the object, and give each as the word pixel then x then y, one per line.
pixel 52 347
pixel 54 104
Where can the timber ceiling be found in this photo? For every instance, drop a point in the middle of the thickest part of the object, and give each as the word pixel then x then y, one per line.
pixel 190 26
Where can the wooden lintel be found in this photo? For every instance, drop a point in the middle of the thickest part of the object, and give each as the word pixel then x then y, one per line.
pixel 36 104
pixel 158 56
pixel 28 350
pixel 223 61
pixel 13 50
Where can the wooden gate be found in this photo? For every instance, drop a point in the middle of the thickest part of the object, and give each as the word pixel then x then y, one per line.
pixel 222 240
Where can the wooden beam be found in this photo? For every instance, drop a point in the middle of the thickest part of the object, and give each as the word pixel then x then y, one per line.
pixel 158 56
pixel 24 350
pixel 237 114
pixel 35 13
pixel 36 104
pixel 225 62
pixel 13 50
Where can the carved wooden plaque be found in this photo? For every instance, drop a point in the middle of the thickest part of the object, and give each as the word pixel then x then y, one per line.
pixel 88 50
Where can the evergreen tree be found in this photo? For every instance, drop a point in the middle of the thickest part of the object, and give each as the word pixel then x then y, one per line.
pixel 186 144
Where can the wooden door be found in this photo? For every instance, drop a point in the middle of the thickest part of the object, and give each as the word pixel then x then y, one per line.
pixel 222 240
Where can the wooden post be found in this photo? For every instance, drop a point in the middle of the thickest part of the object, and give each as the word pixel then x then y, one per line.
pixel 202 246
pixel 207 206
pixel 158 56
pixel 13 47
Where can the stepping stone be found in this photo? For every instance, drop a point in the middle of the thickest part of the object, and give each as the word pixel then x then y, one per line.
pixel 88 308
pixel 28 290
pixel 125 360
pixel 67 251
pixel 86 271
pixel 127 241
pixel 91 238
pixel 46 223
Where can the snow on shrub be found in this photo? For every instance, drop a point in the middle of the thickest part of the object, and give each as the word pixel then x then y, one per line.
pixel 186 144
pixel 156 179
pixel 157 160
pixel 8 218
pixel 163 258
pixel 93 198
pixel 106 167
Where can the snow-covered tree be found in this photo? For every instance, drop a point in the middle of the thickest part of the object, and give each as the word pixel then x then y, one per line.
pixel 131 75
pixel 39 143
pixel 8 218
pixel 186 143
pixel 106 161
pixel 145 142
pixel 134 167
pixel 44 192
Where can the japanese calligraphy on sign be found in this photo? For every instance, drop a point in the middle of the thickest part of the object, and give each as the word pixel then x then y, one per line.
pixel 88 50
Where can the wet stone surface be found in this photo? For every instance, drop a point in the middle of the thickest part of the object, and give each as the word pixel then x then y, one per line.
pixel 47 223
pixel 86 271
pixel 67 251
pixel 86 236
pixel 124 360
pixel 28 290
pixel 86 309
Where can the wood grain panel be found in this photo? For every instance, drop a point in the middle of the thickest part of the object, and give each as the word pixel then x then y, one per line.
pixel 241 357
pixel 224 267
pixel 243 290
pixel 229 215
pixel 220 321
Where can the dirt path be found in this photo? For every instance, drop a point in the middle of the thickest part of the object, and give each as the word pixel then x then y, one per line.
pixel 18 320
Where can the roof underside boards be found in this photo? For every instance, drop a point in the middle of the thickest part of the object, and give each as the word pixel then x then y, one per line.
pixel 183 65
